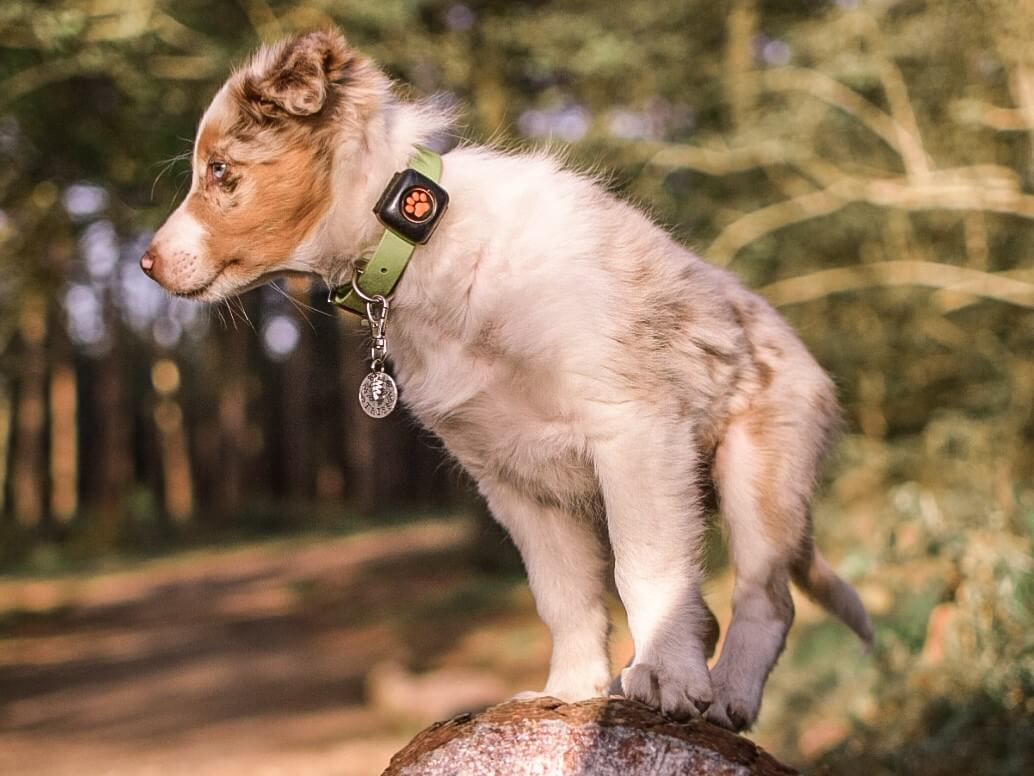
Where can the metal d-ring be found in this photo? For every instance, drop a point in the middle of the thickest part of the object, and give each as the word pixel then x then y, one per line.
pixel 376 298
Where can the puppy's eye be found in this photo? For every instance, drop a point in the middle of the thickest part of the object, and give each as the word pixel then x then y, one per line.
pixel 217 171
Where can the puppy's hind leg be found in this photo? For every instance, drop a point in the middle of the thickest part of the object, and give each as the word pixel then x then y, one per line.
pixel 566 565
pixel 763 500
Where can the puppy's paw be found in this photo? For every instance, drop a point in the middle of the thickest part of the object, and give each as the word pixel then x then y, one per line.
pixel 680 694
pixel 736 704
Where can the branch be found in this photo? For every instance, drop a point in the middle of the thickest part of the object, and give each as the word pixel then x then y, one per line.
pixel 900 129
pixel 724 161
pixel 969 111
pixel 987 188
pixel 1020 63
pixel 944 193
pixel 182 68
pixel 262 18
pixel 955 298
pixel 913 154
pixel 174 33
pixel 763 221
pixel 829 90
pixel 932 274
pixel 94 60
pixel 51 71
pixel 742 21
pixel 116 20
pixel 101 20
pixel 1022 83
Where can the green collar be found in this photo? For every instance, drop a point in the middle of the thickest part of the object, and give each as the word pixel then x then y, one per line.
pixel 410 208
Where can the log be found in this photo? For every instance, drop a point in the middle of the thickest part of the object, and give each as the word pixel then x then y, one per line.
pixel 601 737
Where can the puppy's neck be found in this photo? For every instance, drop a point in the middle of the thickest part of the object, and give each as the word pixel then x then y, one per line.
pixel 362 167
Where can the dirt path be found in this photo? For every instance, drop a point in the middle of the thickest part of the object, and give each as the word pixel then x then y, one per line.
pixel 253 660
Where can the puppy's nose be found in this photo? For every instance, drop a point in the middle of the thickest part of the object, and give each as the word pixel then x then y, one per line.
pixel 148 261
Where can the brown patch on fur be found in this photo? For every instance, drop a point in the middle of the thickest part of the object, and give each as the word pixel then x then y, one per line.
pixel 778 592
pixel 486 344
pixel 765 374
pixel 782 518
pixel 758 420
pixel 296 77
pixel 783 489
pixel 285 198
pixel 314 83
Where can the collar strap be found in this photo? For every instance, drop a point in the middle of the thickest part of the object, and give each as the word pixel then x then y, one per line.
pixel 410 208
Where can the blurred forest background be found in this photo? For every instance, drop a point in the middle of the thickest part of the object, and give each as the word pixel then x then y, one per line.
pixel 867 164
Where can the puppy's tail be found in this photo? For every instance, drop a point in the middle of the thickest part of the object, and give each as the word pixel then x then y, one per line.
pixel 818 581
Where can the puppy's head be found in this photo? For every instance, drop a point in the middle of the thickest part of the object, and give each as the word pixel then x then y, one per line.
pixel 261 167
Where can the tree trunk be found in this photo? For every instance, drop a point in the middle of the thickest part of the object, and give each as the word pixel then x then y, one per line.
pixel 602 737
pixel 232 418
pixel 739 60
pixel 173 450
pixel 28 475
pixel 64 433
pixel 112 444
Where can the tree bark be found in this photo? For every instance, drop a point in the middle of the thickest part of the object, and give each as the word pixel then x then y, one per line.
pixel 601 737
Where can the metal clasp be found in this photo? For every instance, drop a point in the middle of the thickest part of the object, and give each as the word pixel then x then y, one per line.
pixel 377 315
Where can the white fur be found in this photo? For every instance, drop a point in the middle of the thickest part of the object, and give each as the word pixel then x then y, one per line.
pixel 585 369
pixel 521 262
pixel 505 335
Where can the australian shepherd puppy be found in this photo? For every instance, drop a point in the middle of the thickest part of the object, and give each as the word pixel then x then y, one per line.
pixel 599 381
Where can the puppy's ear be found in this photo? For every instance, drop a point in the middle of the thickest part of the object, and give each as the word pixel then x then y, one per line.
pixel 295 77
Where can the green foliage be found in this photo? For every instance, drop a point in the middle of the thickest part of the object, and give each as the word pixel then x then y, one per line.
pixel 947 572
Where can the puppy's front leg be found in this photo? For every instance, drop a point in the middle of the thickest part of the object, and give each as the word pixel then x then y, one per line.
pixel 566 568
pixel 646 472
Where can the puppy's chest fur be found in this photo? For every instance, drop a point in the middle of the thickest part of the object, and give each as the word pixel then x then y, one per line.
pixel 504 419
pixel 528 418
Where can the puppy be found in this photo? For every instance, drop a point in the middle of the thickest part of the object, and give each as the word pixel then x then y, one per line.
pixel 587 370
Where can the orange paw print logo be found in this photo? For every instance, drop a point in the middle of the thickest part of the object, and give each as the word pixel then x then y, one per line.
pixel 417 204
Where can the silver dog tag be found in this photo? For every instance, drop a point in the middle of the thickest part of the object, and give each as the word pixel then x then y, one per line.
pixel 378 394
